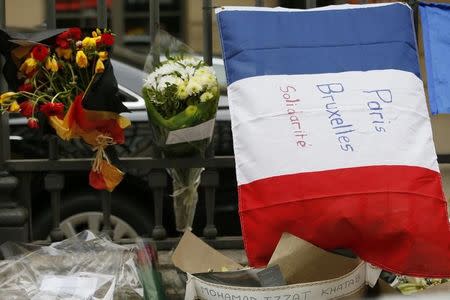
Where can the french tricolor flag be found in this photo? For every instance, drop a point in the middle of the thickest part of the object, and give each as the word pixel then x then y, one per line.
pixel 332 135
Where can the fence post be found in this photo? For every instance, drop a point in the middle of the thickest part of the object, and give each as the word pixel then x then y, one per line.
pixel 311 3
pixel 157 182
pixel 51 14
pixel 154 28
pixel 13 218
pixel 210 180
pixel 102 14
pixel 207 32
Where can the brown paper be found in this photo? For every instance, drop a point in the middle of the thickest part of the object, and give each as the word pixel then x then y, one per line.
pixel 192 255
pixel 302 262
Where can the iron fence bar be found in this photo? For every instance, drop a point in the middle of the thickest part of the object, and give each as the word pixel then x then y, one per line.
pixel 207 32
pixel 105 196
pixel 2 14
pixel 102 14
pixel 4 122
pixel 311 3
pixel 117 23
pixel 210 181
pixel 80 164
pixel 106 208
pixel 157 182
pixel 51 14
pixel 54 183
pixel 2 61
pixel 5 146
pixel 259 3
pixel 154 29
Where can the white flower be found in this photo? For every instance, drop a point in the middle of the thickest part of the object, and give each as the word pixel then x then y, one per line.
pixel 168 80
pixel 168 68
pixel 182 92
pixel 189 71
pixel 150 81
pixel 206 96
pixel 206 70
pixel 190 61
pixel 193 87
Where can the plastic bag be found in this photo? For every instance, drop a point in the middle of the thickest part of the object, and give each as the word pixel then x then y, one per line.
pixel 181 94
pixel 85 266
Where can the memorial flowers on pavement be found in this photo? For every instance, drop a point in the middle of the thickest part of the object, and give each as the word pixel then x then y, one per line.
pixel 67 80
pixel 181 96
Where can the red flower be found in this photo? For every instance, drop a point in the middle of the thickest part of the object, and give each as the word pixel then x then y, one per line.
pixel 25 87
pixel 107 39
pixel 52 109
pixel 75 33
pixel 40 52
pixel 62 40
pixel 33 123
pixel 26 108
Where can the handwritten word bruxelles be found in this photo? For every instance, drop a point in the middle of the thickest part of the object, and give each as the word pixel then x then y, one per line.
pixel 342 129
pixel 377 100
pixel 290 104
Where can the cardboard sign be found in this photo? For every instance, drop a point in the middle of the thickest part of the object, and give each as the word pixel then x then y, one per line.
pixel 336 277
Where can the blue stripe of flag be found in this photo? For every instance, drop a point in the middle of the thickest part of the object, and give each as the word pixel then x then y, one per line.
pixel 259 43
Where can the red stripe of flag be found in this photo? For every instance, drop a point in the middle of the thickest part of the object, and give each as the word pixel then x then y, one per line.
pixel 380 212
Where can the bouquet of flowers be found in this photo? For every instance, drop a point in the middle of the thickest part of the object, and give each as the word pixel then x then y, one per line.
pixel 181 96
pixel 67 80
pixel 148 271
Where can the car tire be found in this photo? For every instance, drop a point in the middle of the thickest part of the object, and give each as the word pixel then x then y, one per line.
pixel 124 208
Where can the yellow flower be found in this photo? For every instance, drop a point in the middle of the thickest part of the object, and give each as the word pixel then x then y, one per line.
pixel 96 33
pixel 81 59
pixel 29 65
pixel 182 92
pixel 7 97
pixel 99 66
pixel 51 64
pixel 65 53
pixel 89 42
pixel 206 96
pixel 103 55
pixel 14 107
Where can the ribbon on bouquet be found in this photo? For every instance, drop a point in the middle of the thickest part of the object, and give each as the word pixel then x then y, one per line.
pixel 100 130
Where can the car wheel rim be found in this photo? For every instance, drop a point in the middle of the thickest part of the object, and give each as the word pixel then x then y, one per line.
pixel 93 221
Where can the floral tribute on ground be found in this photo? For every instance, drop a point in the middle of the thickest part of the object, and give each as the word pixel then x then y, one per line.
pixel 65 78
pixel 181 96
